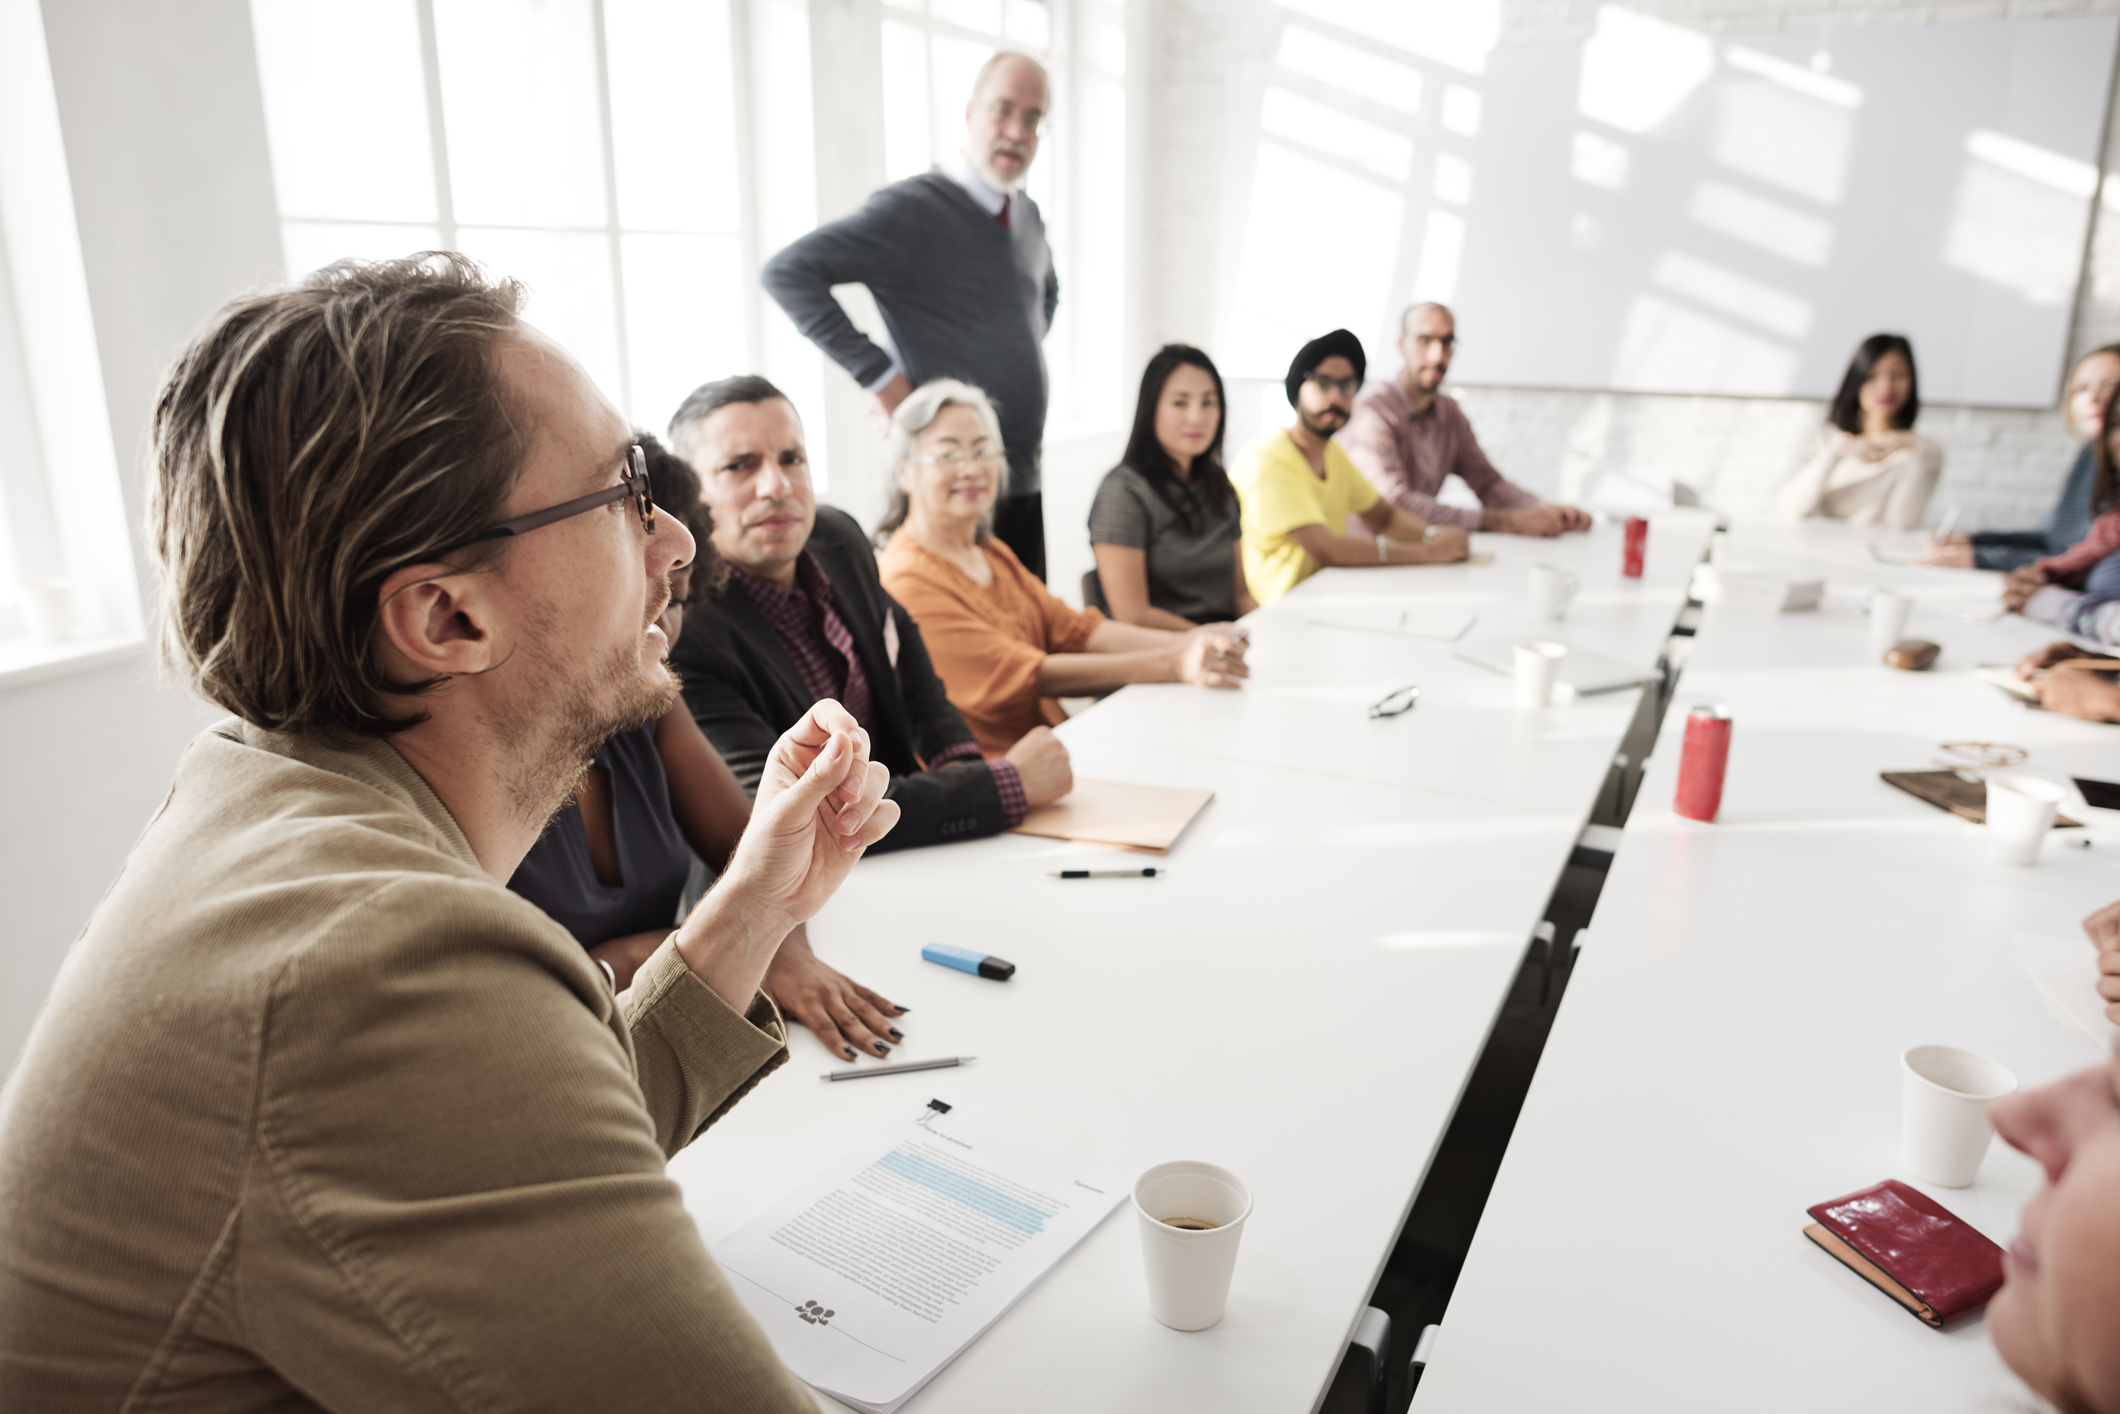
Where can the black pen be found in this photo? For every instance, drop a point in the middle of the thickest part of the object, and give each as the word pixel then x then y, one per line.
pixel 1111 873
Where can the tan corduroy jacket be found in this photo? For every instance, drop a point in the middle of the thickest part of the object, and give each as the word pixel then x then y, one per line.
pixel 320 1116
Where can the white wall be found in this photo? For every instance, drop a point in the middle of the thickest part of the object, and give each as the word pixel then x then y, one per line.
pixel 2002 467
pixel 165 139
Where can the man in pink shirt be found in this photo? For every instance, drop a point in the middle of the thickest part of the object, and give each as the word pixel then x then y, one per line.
pixel 1405 436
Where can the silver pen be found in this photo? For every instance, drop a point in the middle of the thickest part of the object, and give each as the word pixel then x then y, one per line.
pixel 902 1066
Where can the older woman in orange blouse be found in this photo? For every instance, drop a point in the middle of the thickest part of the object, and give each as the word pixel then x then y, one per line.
pixel 1005 646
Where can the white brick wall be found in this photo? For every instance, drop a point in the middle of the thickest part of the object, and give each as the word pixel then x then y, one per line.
pixel 2002 467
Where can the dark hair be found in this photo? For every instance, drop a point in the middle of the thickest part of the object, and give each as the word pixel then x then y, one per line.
pixel 1145 454
pixel 710 398
pixel 2105 479
pixel 1847 403
pixel 677 495
pixel 310 444
pixel 1338 344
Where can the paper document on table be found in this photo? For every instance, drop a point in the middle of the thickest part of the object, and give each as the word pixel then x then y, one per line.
pixel 878 1272
pixel 2004 676
pixel 2065 971
pixel 1146 818
pixel 1448 625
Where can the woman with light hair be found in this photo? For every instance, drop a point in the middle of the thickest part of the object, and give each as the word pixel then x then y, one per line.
pixel 2091 384
pixel 1005 646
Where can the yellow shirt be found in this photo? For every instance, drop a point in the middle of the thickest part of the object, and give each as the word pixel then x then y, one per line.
pixel 1280 494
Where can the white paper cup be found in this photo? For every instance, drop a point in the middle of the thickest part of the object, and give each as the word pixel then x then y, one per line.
pixel 48 609
pixel 1538 667
pixel 1888 618
pixel 1189 1268
pixel 1944 1128
pixel 1552 589
pixel 2020 811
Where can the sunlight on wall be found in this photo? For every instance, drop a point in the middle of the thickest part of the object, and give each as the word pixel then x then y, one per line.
pixel 1296 280
pixel 1459 33
pixel 2019 217
pixel 1360 72
pixel 1667 347
pixel 1732 293
pixel 1364 144
pixel 1785 139
pixel 1599 161
pixel 1763 224
pixel 1636 70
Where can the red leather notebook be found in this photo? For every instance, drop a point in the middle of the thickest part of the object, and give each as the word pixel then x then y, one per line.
pixel 1911 1248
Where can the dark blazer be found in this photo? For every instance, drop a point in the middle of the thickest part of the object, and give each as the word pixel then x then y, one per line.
pixel 744 691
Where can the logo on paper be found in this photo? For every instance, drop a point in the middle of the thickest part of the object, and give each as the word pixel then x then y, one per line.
pixel 815 1314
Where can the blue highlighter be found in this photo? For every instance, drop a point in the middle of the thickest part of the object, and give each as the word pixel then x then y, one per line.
pixel 978 964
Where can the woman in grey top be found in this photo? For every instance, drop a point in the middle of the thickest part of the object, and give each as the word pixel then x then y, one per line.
pixel 1164 525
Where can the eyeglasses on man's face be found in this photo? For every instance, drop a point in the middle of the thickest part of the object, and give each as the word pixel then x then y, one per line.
pixel 1024 122
pixel 632 486
pixel 1349 386
pixel 956 460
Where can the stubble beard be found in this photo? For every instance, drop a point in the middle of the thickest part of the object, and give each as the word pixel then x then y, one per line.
pixel 551 742
pixel 1317 423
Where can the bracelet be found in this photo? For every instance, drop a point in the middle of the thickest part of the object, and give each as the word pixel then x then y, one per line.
pixel 1382 552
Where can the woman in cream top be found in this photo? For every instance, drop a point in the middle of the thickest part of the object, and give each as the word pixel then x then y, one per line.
pixel 1870 467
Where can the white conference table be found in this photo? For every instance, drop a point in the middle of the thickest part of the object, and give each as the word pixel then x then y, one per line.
pixel 1727 1051
pixel 1301 999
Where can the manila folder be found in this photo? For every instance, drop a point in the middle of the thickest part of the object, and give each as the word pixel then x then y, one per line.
pixel 1113 812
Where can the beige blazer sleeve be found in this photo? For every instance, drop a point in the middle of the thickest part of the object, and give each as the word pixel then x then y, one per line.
pixel 458 1199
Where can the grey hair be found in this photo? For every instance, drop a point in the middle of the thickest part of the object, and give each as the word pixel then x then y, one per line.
pixel 995 60
pixel 914 416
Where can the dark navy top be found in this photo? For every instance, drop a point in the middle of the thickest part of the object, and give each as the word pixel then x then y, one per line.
pixel 2068 522
pixel 653 859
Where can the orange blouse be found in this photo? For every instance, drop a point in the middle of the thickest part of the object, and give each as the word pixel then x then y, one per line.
pixel 987 643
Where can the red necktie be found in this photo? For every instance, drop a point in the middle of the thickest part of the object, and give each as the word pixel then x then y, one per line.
pixel 1002 215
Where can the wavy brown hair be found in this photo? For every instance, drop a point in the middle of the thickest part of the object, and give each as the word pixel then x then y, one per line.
pixel 310 444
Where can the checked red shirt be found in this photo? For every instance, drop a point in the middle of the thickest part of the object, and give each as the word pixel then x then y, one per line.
pixel 817 639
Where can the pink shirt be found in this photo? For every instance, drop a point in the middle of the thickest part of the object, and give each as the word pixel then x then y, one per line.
pixel 1406 454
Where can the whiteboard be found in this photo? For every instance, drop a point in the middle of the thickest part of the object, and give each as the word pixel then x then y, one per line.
pixel 1660 209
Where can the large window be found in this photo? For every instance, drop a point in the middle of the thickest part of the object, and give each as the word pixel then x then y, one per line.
pixel 67 587
pixel 932 50
pixel 586 147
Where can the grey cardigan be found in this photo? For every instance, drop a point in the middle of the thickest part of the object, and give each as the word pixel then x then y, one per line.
pixel 961 297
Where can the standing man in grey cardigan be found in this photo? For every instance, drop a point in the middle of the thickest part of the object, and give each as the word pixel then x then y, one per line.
pixel 957 261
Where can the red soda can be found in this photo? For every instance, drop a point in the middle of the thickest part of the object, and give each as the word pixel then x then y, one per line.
pixel 1701 762
pixel 1637 547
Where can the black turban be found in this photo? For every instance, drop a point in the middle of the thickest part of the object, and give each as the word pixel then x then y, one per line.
pixel 1338 344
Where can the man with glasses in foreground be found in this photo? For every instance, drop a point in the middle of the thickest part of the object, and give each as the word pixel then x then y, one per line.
pixel 319 1114
pixel 957 261
pixel 1407 436
pixel 1298 489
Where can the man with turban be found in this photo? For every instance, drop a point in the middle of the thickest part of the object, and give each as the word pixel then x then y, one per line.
pixel 1298 488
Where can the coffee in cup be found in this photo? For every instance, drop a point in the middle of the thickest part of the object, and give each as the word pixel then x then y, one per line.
pixel 1190 1224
